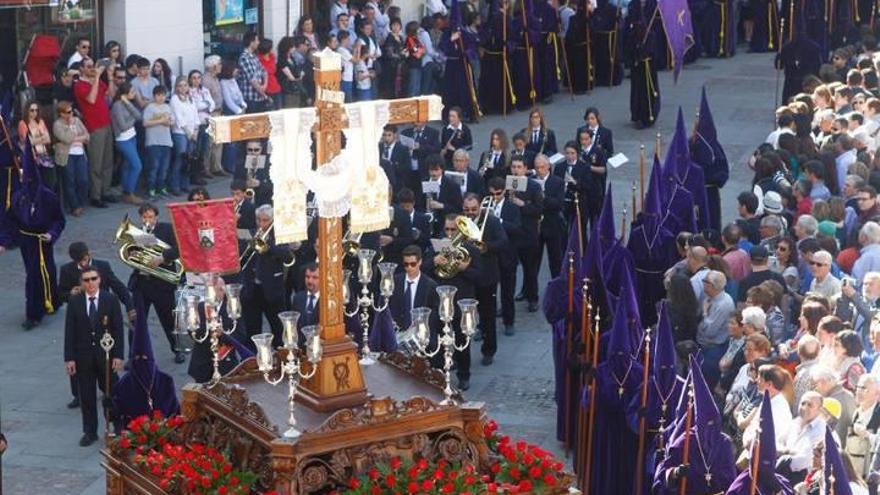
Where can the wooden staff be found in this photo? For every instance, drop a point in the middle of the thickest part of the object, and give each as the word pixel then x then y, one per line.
pixel 569 330
pixel 643 424
pixel 686 453
pixel 642 174
pixel 504 60
pixel 587 15
pixel 657 146
pixel 790 20
pixel 634 210
pixel 469 77
pixel 580 224
pixel 591 419
pixel 622 225
pixel 529 56
pixel 756 459
pixel 779 66
pixel 586 309
pixel 564 54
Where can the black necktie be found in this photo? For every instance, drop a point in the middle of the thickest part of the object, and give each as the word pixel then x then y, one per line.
pixel 418 135
pixel 310 307
pixel 535 135
pixel 93 311
pixel 388 152
pixel 407 304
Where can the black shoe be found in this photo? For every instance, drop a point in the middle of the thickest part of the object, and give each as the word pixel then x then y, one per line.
pixel 487 360
pixel 110 198
pixel 29 324
pixel 87 440
pixel 508 330
pixel 97 203
pixel 464 384
pixel 179 357
pixel 520 297
pixel 533 307
pixel 73 404
pixel 478 336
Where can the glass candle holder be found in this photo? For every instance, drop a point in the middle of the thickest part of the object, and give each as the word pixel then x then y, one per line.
pixel 365 265
pixel 346 291
pixel 192 312
pixel 289 334
pixel 233 301
pixel 420 321
pixel 263 342
pixel 386 282
pixel 314 346
pixel 469 316
pixel 446 308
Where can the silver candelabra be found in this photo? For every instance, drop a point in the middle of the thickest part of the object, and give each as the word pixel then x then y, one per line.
pixel 367 299
pixel 292 366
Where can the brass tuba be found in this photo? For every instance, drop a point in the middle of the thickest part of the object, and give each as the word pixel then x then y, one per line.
pixel 351 243
pixel 456 254
pixel 138 257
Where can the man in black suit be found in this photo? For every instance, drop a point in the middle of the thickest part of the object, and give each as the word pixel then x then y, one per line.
pixel 471 182
pixel 602 136
pixel 594 157
pixel 426 142
pixel 495 244
pixel 421 225
pixel 448 201
pixel 531 206
pixel 509 215
pixel 394 158
pixel 553 226
pixel 391 241
pixel 90 314
pixel 305 302
pixel 455 136
pixel 234 347
pixel 69 284
pixel 465 281
pixel 154 291
pixel 520 149
pixel 412 289
pixel 574 174
pixel 262 290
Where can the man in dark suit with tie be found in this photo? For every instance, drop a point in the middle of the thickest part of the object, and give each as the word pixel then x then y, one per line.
pixel 465 281
pixel 472 182
pixel 426 142
pixel 412 289
pixel 152 290
pixel 394 158
pixel 553 226
pixel 305 302
pixel 448 200
pixel 69 284
pixel 531 206
pixel 495 243
pixel 594 157
pixel 421 226
pixel 90 314
pixel 456 135
pixel 509 216
pixel 263 291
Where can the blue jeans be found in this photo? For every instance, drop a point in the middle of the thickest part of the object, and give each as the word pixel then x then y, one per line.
pixel 414 85
pixel 177 180
pixel 346 87
pixel 131 169
pixel 363 94
pixel 76 181
pixel 158 161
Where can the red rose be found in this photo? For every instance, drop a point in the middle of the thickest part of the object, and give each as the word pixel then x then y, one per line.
pixel 412 487
pixel 438 474
pixel 528 459
pixel 535 472
pixel 521 446
pixel 375 490
pixel 354 483
pixel 427 485
pixel 495 468
pixel 546 463
pixel 448 488
pixel 215 474
pixel 412 472
pixel 206 482
pixel 227 468
pixel 125 443
pixel 222 490
pixel 142 439
pixel 423 463
pixel 549 479
pixel 395 463
pixel 514 473
pixel 452 475
pixel 492 488
pixel 373 474
pixel 557 466
pixel 469 480
pixel 390 480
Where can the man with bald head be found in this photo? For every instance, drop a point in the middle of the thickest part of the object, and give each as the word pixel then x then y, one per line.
pixel 807 429
pixel 761 272
pixel 696 259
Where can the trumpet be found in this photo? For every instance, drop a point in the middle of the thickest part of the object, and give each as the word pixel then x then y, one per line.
pixel 259 244
pixel 487 207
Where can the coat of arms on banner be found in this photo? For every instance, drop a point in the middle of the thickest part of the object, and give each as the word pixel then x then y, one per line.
pixel 206 234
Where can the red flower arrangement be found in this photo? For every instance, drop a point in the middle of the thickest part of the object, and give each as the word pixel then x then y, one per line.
pixel 181 469
pixel 517 468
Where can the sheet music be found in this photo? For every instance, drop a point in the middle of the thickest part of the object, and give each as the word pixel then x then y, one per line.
pixel 430 186
pixel 457 177
pixel 517 183
pixel 406 141
pixel 556 159
pixel 617 160
pixel 144 240
pixel 439 244
pixel 243 234
pixel 255 162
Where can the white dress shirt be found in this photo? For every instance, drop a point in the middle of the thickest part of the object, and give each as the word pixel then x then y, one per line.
pixel 801 440
pixel 413 288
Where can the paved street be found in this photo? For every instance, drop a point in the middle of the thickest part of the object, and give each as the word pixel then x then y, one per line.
pixel 44 456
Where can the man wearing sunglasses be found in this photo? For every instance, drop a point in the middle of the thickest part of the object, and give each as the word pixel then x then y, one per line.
pixel 824 283
pixel 412 289
pixel 92 313
pixel 83 47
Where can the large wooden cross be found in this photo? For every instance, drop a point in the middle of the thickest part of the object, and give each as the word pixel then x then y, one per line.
pixel 338 382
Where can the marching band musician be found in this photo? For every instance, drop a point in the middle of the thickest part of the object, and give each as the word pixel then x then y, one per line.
pixel 305 302
pixel 541 140
pixel 154 291
pixel 573 171
pixel 412 289
pixel 232 350
pixel 496 244
pixel 594 157
pixel 520 149
pixel 91 313
pixel 471 182
pixel 394 158
pixel 257 178
pixel 456 135
pixel 553 227
pixel 244 212
pixel 426 142
pixel 421 225
pixel 495 162
pixel 602 136
pixel 262 290
pixel 509 216
pixel 465 280
pixel 449 199
pixel 531 205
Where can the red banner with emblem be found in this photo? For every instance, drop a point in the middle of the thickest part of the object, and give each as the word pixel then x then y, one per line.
pixel 206 235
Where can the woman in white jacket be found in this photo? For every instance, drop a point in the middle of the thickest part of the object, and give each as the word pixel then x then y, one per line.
pixel 183 135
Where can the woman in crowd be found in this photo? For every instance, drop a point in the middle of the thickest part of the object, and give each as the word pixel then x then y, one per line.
pixel 71 137
pixel 125 115
pixel 290 75
pixel 734 356
pixel 495 162
pixel 183 135
pixel 162 72
pixel 787 262
pixel 392 76
pixel 34 127
pixel 306 28
pixel 113 55
pixel 233 100
pixel 848 351
pixel 269 63
pixel 204 103
pixel 414 51
pixel 367 51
